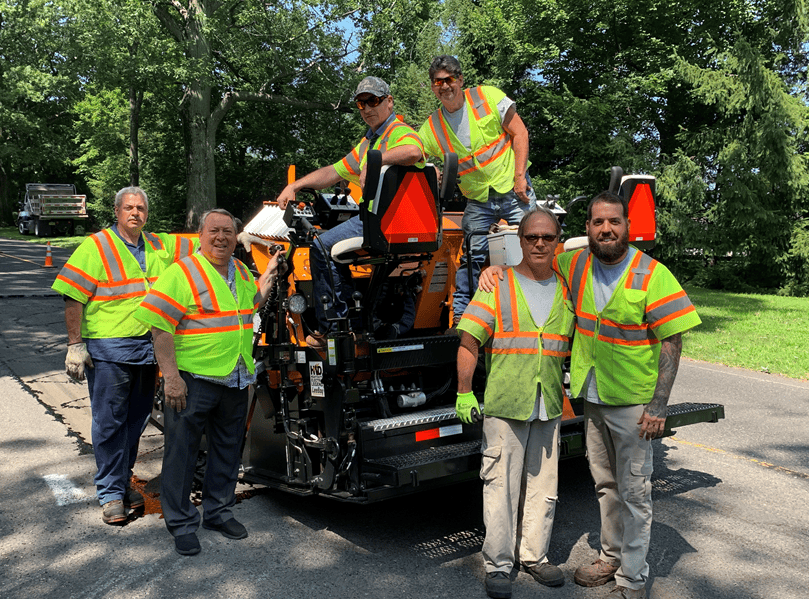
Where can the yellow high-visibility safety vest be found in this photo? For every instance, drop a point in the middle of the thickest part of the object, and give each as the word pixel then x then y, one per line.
pixel 519 353
pixel 397 133
pixel 490 161
pixel 103 275
pixel 622 342
pixel 211 329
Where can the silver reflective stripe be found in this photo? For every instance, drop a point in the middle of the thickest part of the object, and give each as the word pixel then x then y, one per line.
pixel 197 282
pixel 108 253
pixel 585 323
pixel 478 100
pixel 80 279
pixel 579 264
pixel 165 307
pixel 505 302
pixel 193 325
pixel 514 342
pixel 639 273
pixel 479 312
pixel 554 345
pixel 354 163
pixel 609 331
pixel 105 292
pixel 486 156
pixel 186 246
pixel 669 308
pixel 156 242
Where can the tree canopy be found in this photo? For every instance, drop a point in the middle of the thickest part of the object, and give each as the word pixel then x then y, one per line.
pixel 206 102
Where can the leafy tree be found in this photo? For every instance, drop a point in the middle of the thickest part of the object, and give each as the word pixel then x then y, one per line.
pixel 37 88
pixel 249 51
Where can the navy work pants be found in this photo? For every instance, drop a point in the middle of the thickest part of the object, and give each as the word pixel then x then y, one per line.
pixel 121 398
pixel 220 412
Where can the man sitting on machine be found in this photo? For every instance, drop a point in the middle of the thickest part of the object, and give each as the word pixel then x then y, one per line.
pixel 399 145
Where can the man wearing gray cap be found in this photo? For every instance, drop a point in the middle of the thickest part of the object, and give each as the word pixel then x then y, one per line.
pixel 399 144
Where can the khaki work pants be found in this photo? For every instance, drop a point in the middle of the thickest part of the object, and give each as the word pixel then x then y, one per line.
pixel 520 474
pixel 621 465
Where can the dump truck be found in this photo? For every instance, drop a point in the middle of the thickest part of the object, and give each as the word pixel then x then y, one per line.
pixel 372 415
pixel 52 209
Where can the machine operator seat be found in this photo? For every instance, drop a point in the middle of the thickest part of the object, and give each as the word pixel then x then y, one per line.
pixel 401 212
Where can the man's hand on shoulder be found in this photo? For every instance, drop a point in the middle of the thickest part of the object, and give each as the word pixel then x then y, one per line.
pixel 489 277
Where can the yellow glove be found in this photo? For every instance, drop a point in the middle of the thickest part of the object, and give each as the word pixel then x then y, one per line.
pixel 464 405
pixel 77 357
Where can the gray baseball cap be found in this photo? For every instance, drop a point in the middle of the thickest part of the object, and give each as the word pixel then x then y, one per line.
pixel 374 86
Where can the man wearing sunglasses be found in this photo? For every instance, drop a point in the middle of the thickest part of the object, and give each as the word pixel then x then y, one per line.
pixel 482 127
pixel 400 145
pixel 525 345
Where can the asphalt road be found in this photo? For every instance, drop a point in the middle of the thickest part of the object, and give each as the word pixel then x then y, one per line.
pixel 730 499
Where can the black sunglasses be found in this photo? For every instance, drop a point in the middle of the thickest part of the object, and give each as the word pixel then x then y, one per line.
pixel 533 238
pixel 373 102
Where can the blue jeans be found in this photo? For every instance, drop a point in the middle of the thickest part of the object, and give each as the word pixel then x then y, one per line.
pixel 221 412
pixel 343 288
pixel 321 265
pixel 480 216
pixel 121 398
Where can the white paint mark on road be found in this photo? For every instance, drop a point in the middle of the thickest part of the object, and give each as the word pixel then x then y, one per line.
pixel 64 490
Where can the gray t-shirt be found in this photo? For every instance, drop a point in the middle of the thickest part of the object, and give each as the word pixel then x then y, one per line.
pixel 459 120
pixel 539 295
pixel 605 280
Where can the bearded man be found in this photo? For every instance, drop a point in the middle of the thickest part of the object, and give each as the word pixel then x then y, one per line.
pixel 630 316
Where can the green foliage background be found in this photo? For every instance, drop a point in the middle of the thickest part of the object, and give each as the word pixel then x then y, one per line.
pixel 710 96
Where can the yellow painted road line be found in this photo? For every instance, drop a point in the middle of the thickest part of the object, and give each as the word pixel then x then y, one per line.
pixel 760 463
pixel 18 258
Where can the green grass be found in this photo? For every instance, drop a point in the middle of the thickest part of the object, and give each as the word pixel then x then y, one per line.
pixel 70 243
pixel 763 333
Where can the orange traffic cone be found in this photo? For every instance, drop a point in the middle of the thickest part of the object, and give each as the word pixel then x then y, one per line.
pixel 48 257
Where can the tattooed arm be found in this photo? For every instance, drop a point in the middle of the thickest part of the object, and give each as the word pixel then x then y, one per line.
pixel 653 420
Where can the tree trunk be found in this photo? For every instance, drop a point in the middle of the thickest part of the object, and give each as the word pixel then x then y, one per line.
pixel 201 138
pixel 135 103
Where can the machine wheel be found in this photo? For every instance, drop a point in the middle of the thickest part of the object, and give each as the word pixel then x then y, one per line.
pixel 21 227
pixel 36 229
pixel 78 230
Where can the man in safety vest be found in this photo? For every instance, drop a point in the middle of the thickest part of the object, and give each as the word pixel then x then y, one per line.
pixel 400 145
pixel 482 127
pixel 201 314
pixel 103 283
pixel 630 315
pixel 524 326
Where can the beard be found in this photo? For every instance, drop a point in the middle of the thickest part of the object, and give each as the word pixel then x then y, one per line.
pixel 612 252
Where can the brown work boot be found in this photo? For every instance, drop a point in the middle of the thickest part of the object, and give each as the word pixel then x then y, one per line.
pixel 595 574
pixel 316 340
pixel 113 512
pixel 133 499
pixel 620 591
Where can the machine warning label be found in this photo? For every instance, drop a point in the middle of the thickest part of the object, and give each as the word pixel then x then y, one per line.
pixel 438 282
pixel 316 387
pixel 389 349
pixel 300 357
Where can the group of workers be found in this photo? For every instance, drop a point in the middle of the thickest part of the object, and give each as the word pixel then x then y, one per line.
pixel 132 297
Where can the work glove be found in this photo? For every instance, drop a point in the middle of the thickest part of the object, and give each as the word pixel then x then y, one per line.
pixel 464 405
pixel 248 239
pixel 77 357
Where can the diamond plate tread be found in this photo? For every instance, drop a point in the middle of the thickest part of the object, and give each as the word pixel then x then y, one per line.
pixel 687 407
pixel 433 415
pixel 428 455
